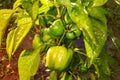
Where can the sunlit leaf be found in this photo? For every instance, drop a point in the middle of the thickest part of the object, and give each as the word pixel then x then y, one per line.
pixel 46 4
pixel 117 1
pixel 99 2
pixel 23 27
pixel 100 31
pixel 35 9
pixel 28 63
pixel 43 9
pixel 94 31
pixel 4 20
pixel 17 4
pixel 10 43
pixel 37 41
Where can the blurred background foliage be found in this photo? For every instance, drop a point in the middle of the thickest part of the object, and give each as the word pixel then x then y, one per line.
pixel 6 4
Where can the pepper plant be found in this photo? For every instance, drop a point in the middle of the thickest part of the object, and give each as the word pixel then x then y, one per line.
pixel 60 23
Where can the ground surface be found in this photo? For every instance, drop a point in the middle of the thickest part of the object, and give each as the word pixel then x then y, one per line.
pixel 9 70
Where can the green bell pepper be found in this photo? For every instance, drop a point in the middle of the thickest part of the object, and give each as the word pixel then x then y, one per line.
pixel 57 28
pixel 58 58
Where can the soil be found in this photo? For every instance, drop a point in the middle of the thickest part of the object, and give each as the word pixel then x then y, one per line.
pixel 9 69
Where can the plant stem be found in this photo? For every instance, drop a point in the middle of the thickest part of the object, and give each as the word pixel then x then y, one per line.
pixel 61 38
pixel 81 53
pixel 73 75
pixel 71 43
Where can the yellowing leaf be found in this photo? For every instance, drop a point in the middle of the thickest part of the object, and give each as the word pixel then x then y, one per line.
pixel 17 4
pixel 35 9
pixel 10 43
pixel 28 63
pixel 17 35
pixel 5 15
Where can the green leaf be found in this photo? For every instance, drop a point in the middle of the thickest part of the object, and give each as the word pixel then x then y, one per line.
pixel 87 2
pixel 111 62
pixel 10 43
pixel 79 15
pixel 104 64
pixel 92 76
pixel 37 41
pixel 99 2
pixel 23 27
pixel 27 5
pixel 104 67
pixel 94 31
pixel 31 7
pixel 17 4
pixel 100 32
pixel 43 9
pixel 63 2
pixel 35 9
pixel 66 76
pixel 28 63
pixel 98 13
pixel 97 68
pixel 4 20
pixel 78 78
pixel 46 4
pixel 53 75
